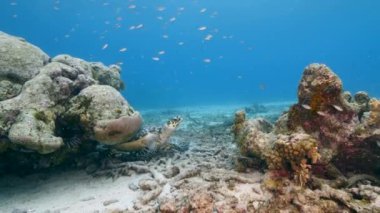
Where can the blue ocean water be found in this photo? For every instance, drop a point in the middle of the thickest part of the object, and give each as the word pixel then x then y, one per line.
pixel 202 52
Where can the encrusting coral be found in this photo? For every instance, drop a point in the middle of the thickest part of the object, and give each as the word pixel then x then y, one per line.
pixel 283 153
pixel 374 115
pixel 334 122
pixel 299 151
pixel 328 135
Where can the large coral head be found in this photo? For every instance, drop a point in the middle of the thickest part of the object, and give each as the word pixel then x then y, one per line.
pixel 319 88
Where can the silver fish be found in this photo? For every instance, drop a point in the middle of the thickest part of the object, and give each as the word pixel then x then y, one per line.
pixel 305 106
pixel 321 113
pixel 202 28
pixel 338 108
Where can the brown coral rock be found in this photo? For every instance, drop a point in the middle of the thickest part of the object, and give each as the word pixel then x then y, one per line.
pixel 202 202
pixel 321 106
pixel 168 207
pixel 344 131
pixel 252 136
pixel 374 115
pixel 319 87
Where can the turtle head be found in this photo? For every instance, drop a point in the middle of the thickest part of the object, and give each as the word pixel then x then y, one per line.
pixel 174 122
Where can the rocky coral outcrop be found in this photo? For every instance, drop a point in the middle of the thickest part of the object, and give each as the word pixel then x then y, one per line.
pixel 326 141
pixel 20 61
pixel 54 106
pixel 46 97
pixel 328 134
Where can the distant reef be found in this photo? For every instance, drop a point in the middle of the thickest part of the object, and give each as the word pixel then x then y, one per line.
pixel 61 106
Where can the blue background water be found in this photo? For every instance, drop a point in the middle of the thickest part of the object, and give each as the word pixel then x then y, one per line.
pixel 258 50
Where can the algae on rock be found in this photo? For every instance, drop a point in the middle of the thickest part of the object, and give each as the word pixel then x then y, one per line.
pixel 336 129
pixel 323 143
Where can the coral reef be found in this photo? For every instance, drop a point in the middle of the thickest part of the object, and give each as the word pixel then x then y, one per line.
pixel 321 141
pixel 322 155
pixel 53 108
pixel 336 124
pixel 203 177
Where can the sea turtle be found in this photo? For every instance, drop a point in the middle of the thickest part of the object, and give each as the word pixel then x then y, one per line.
pixel 151 139
pixel 149 142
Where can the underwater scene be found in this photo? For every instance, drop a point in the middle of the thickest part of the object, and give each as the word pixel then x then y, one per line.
pixel 189 106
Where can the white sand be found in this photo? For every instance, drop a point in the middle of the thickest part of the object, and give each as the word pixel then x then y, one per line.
pixel 72 191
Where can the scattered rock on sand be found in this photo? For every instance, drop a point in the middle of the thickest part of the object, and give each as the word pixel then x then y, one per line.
pixel 87 198
pixel 172 172
pixel 202 202
pixel 20 211
pixel 133 187
pixel 109 202
pixel 147 184
pixel 168 207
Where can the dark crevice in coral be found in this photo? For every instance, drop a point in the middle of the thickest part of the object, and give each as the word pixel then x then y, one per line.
pixel 14 78
pixel 360 116
pixel 70 130
pixel 76 91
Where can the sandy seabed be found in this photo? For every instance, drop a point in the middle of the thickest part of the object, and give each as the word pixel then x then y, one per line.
pixel 208 164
